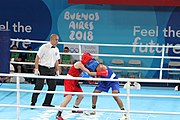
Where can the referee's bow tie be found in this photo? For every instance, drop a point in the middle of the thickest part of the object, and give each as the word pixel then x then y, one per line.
pixel 52 46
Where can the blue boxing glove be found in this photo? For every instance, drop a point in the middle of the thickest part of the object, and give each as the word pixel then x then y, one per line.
pixel 85 75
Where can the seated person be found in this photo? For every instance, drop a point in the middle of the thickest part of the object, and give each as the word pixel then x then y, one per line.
pixel 133 85
pixel 17 57
pixel 3 79
pixel 10 79
pixel 29 57
pixel 13 79
pixel 65 59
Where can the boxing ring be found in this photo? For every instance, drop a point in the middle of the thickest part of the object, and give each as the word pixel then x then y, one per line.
pixel 148 103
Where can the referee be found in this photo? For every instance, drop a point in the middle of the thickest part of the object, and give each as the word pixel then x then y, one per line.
pixel 46 63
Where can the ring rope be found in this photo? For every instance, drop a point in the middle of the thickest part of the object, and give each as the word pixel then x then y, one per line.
pixel 129 68
pixel 95 44
pixel 93 79
pixel 96 94
pixel 107 55
pixel 87 109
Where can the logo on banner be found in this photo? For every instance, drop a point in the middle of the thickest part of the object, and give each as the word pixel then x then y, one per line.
pixel 81 24
pixel 74 50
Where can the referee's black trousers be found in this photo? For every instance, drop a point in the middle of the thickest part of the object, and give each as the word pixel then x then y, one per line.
pixel 40 83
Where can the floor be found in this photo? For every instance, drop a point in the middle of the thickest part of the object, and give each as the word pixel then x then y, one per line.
pixel 104 102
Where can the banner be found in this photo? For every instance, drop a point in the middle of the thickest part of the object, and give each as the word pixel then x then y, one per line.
pixel 129 2
pixel 4 51
pixel 98 24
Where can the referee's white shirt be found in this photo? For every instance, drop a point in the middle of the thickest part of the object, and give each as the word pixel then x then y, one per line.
pixel 48 55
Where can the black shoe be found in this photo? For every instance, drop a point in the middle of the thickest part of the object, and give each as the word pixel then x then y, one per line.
pixel 77 111
pixel 32 104
pixel 47 105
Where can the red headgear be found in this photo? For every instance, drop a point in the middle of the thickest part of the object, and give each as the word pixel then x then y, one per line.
pixel 85 58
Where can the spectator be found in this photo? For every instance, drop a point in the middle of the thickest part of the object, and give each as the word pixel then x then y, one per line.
pixel 17 57
pixel 13 79
pixel 29 57
pixel 10 79
pixel 65 59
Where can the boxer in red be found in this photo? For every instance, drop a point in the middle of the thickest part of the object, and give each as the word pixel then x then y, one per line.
pixel 73 85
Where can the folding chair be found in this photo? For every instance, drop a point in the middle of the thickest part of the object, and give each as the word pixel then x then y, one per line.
pixel 171 73
pixel 118 62
pixel 134 63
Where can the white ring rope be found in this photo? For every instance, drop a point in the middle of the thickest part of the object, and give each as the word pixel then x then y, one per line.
pixel 113 67
pixel 95 44
pixel 128 68
pixel 96 94
pixel 107 55
pixel 93 79
pixel 98 110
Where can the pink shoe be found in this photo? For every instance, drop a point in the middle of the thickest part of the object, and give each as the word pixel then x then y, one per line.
pixel 59 118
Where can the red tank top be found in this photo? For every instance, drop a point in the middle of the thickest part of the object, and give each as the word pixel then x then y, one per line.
pixel 74 72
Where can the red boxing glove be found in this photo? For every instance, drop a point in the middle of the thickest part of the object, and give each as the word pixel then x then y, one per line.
pixel 102 73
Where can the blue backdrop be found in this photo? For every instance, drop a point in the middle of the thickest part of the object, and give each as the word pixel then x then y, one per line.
pixel 103 24
pixel 4 51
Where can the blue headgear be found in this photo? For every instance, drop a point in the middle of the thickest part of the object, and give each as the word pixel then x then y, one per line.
pixel 92 65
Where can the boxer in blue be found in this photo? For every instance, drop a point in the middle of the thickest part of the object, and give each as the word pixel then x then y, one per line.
pixel 104 86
